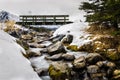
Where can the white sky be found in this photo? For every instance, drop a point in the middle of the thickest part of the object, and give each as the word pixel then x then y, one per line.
pixel 43 7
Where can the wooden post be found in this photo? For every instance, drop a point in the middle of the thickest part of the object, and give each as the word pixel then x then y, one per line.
pixel 23 20
pixel 44 20
pixel 64 19
pixel 33 20
pixel 54 20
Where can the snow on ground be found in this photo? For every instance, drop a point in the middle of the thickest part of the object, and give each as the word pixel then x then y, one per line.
pixel 13 65
pixel 47 26
pixel 77 29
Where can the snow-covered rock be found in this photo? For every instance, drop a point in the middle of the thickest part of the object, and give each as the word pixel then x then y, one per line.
pixel 4 16
pixel 13 66
pixel 76 29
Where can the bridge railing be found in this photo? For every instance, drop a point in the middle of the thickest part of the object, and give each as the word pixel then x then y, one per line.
pixel 44 19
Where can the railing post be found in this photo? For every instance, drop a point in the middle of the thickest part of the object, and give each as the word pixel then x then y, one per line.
pixel 64 19
pixel 54 20
pixel 23 20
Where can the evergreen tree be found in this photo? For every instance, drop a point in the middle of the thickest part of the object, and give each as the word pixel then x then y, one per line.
pixel 99 11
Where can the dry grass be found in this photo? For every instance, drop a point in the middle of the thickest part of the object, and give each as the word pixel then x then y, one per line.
pixel 98 29
pixel 112 42
pixel 107 35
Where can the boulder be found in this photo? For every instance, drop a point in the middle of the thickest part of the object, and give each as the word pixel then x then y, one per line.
pixel 107 64
pixel 116 74
pixel 68 57
pixel 98 76
pixel 31 53
pixel 26 37
pixel 112 54
pixel 88 47
pixel 42 72
pixel 56 48
pixel 79 63
pixel 100 64
pixel 57 38
pixel 59 71
pixel 44 50
pixel 35 45
pixel 67 39
pixel 54 57
pixel 93 58
pixel 110 65
pixel 93 69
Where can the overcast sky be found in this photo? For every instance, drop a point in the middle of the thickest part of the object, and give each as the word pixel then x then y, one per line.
pixel 44 7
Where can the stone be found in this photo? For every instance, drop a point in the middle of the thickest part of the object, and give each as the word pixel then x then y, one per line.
pixel 31 53
pixel 56 48
pixel 55 57
pixel 27 37
pixel 93 69
pixel 67 39
pixel 59 71
pixel 32 45
pixel 42 72
pixel 57 38
pixel 79 62
pixel 35 45
pixel 100 64
pixel 96 75
pixel 112 54
pixel 88 47
pixel 68 57
pixel 107 64
pixel 44 50
pixel 110 64
pixel 93 58
pixel 116 72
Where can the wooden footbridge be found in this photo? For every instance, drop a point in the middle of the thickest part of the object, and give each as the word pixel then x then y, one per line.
pixel 44 20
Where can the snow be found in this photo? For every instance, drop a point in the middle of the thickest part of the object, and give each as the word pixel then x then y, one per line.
pixel 76 29
pixel 13 65
pixel 47 26
pixel 40 62
pixel 77 54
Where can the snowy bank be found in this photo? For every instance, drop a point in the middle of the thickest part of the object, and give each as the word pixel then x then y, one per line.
pixel 76 29
pixel 13 65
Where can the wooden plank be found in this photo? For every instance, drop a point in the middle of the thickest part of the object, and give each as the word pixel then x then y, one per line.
pixel 44 15
pixel 34 19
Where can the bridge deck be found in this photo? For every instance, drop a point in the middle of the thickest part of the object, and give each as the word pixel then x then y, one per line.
pixel 44 20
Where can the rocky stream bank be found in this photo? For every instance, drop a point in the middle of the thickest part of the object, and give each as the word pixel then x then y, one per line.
pixel 54 58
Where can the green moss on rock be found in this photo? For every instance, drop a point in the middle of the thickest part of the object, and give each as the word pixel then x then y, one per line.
pixel 59 71
pixel 73 47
